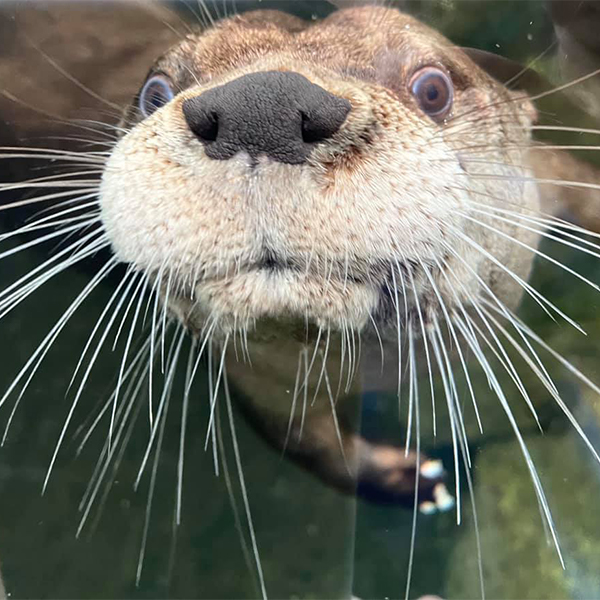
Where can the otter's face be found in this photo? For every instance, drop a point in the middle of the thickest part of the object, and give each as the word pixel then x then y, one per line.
pixel 283 169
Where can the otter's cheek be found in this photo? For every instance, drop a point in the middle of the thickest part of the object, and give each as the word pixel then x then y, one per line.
pixel 159 212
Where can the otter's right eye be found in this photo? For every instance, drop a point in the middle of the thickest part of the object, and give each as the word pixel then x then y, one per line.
pixel 157 91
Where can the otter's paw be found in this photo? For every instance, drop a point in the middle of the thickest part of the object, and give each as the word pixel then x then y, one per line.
pixel 389 475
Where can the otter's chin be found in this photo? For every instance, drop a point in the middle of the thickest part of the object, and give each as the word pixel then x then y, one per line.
pixel 278 296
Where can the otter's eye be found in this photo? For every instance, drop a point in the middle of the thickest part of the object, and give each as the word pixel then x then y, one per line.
pixel 157 91
pixel 433 90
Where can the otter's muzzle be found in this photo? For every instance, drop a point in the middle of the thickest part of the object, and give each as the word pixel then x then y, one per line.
pixel 278 114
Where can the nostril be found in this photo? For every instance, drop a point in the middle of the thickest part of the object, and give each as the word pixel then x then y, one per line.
pixel 203 123
pixel 316 130
pixel 207 129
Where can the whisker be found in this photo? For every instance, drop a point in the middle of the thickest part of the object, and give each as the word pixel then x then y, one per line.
pixel 551 223
pixel 565 129
pixel 178 339
pixel 336 424
pixel 427 354
pixel 294 399
pixel 323 367
pixel 238 462
pixel 184 414
pixel 540 299
pixel 509 315
pixel 52 222
pixel 497 388
pixel 213 400
pixel 545 234
pixel 95 482
pixel 46 198
pixel 551 390
pixel 126 282
pixel 70 77
pixel 162 405
pixel 536 251
pixel 414 398
pixel 498 349
pixel 531 179
pixel 463 362
pixel 42 349
pixel 139 362
pixel 47 237
pixel 139 293
pixel 236 513
pixel 453 428
pixel 17 292
pixel 84 381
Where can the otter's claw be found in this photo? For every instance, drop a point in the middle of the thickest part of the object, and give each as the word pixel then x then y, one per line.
pixel 432 469
pixel 443 501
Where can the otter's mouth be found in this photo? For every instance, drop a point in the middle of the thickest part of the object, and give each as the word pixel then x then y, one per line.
pixel 290 291
pixel 349 270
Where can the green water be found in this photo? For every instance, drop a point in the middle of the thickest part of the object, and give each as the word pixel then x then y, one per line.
pixel 313 542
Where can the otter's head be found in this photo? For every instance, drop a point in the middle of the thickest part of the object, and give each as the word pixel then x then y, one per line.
pixel 320 172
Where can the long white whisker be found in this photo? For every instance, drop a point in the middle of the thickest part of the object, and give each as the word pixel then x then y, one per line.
pixel 453 427
pixel 537 252
pixel 47 237
pixel 82 384
pixel 162 419
pixel 184 414
pixel 54 220
pixel 161 407
pixel 294 399
pixel 550 389
pixel 47 342
pixel 502 308
pixel 95 482
pixel 213 400
pixel 531 291
pixel 336 423
pixel 427 353
pixel 9 301
pixel 448 320
pixel 524 451
pixel 238 462
pixel 133 371
pixel 415 399
pixel 236 513
pixel 139 293
pixel 129 275
pixel 499 351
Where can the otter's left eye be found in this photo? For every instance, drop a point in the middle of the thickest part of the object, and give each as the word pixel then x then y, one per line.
pixel 433 90
pixel 157 91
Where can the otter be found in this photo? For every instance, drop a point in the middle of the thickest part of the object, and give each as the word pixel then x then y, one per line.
pixel 288 191
pixel 309 159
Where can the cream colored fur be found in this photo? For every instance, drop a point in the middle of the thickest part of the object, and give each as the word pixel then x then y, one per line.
pixel 356 205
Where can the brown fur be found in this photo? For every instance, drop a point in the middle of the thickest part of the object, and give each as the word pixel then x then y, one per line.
pixel 387 192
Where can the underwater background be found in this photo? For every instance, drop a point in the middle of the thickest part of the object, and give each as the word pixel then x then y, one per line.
pixel 313 542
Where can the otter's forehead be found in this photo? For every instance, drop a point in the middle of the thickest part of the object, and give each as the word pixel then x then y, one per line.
pixel 374 43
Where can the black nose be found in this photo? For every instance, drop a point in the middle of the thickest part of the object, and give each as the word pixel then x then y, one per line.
pixel 282 115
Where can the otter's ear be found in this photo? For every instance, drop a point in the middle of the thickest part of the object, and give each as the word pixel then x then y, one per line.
pixel 508 72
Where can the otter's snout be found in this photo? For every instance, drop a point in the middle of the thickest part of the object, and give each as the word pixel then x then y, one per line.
pixel 278 114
